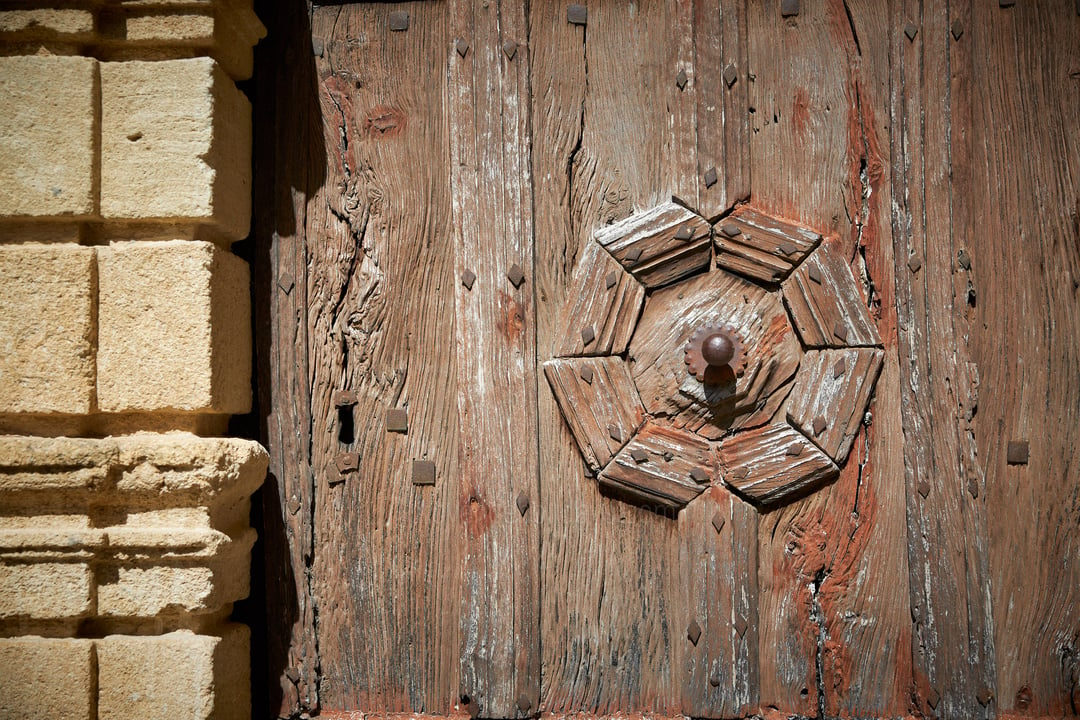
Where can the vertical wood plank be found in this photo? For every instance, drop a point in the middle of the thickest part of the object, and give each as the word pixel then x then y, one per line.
pixel 288 119
pixel 835 633
pixel 386 574
pixel 496 356
pixel 1025 270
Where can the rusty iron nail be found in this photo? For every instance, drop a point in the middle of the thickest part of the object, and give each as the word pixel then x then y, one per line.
pixel 681 79
pixel 639 455
pixel 685 232
pixel 633 254
pixel 317 47
pixel 347 462
pixel 399 20
pixel 335 478
pixel 510 49
pixel 699 475
pixel 788 249
pixel 932 698
pixel 344 398
pixel 924 488
pixel 522 503
pixel 973 488
pixel 714 680
pixel 611 280
pixel 516 275
pixel 468 278
pixel 740 625
pixel 462 47
pixel 814 274
pixel 614 433
pixel 523 704
pixel 586 374
pixel 693 632
pixel 286 282
pixel 1006 3
pixel 840 330
pixel 577 14
pixel 985 696
pixel 819 425
pixel 293 674
pixel 789 8
pixel 294 506
pixel 731 230
pixel 588 335
pixel 669 456
pixel 730 75
pixel 911 30
pixel 423 472
pixel 397 420
pixel 794 450
pixel 710 177
pixel 717 522
pixel 914 263
pixel 1017 452
pixel 839 368
pixel 957 29
pixel 964 259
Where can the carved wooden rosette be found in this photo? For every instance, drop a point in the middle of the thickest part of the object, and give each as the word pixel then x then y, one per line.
pixel 647 428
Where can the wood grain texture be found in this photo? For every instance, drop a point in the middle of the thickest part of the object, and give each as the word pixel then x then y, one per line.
pixel 660 245
pixel 832 621
pixel 382 265
pixel 835 386
pixel 603 302
pixel 489 110
pixel 765 248
pixel 773 463
pixel 599 402
pixel 660 467
pixel 673 314
pixel 826 305
pixel 1023 237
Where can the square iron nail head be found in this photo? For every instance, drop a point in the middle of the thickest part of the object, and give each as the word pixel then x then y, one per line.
pixel 731 230
pixel 468 278
pixel 717 522
pixel 1017 452
pixel 397 420
pixel 577 14
pixel 515 275
pixel 911 30
pixel 681 80
pixel 423 472
pixel 693 632
pixel 639 455
pixel 510 49
pixel 344 398
pixel 789 8
pixel 586 374
pixel 611 280
pixel 462 47
pixel 730 75
pixel 588 335
pixel 522 503
pixel 399 21
pixel 814 274
pixel 710 177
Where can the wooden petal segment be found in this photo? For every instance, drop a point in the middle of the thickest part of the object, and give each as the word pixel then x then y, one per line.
pixel 764 248
pixel 600 403
pixel 660 245
pixel 772 463
pixel 826 305
pixel 660 466
pixel 832 390
pixel 604 302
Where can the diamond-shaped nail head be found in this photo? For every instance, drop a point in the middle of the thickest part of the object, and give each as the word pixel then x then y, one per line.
pixel 717 522
pixel 693 632
pixel 516 275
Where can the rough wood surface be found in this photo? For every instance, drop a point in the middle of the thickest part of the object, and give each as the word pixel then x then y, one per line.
pixel 835 386
pixel 764 248
pixel 599 402
pixel 660 245
pixel 773 463
pixel 660 467
pixel 673 314
pixel 603 303
pixel 826 305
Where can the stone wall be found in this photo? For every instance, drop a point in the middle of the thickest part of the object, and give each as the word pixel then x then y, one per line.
pixel 125 344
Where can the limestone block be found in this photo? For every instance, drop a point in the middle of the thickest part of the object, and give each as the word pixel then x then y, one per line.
pixel 175 145
pixel 45 591
pixel 173 328
pixel 177 675
pixel 47 330
pixel 47 678
pixel 37 23
pixel 48 131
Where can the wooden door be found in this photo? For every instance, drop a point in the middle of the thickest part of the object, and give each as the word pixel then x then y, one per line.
pixel 431 179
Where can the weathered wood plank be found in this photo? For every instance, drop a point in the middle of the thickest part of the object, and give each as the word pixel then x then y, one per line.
pixel 1024 163
pixel 660 467
pixel 760 246
pixel 825 303
pixel 600 403
pixel 832 623
pixel 602 306
pixel 673 314
pixel 489 109
pixel 660 245
pixel 773 463
pixel 830 396
pixel 381 258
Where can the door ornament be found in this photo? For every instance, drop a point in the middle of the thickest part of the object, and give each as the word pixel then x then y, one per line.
pixel 689 354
